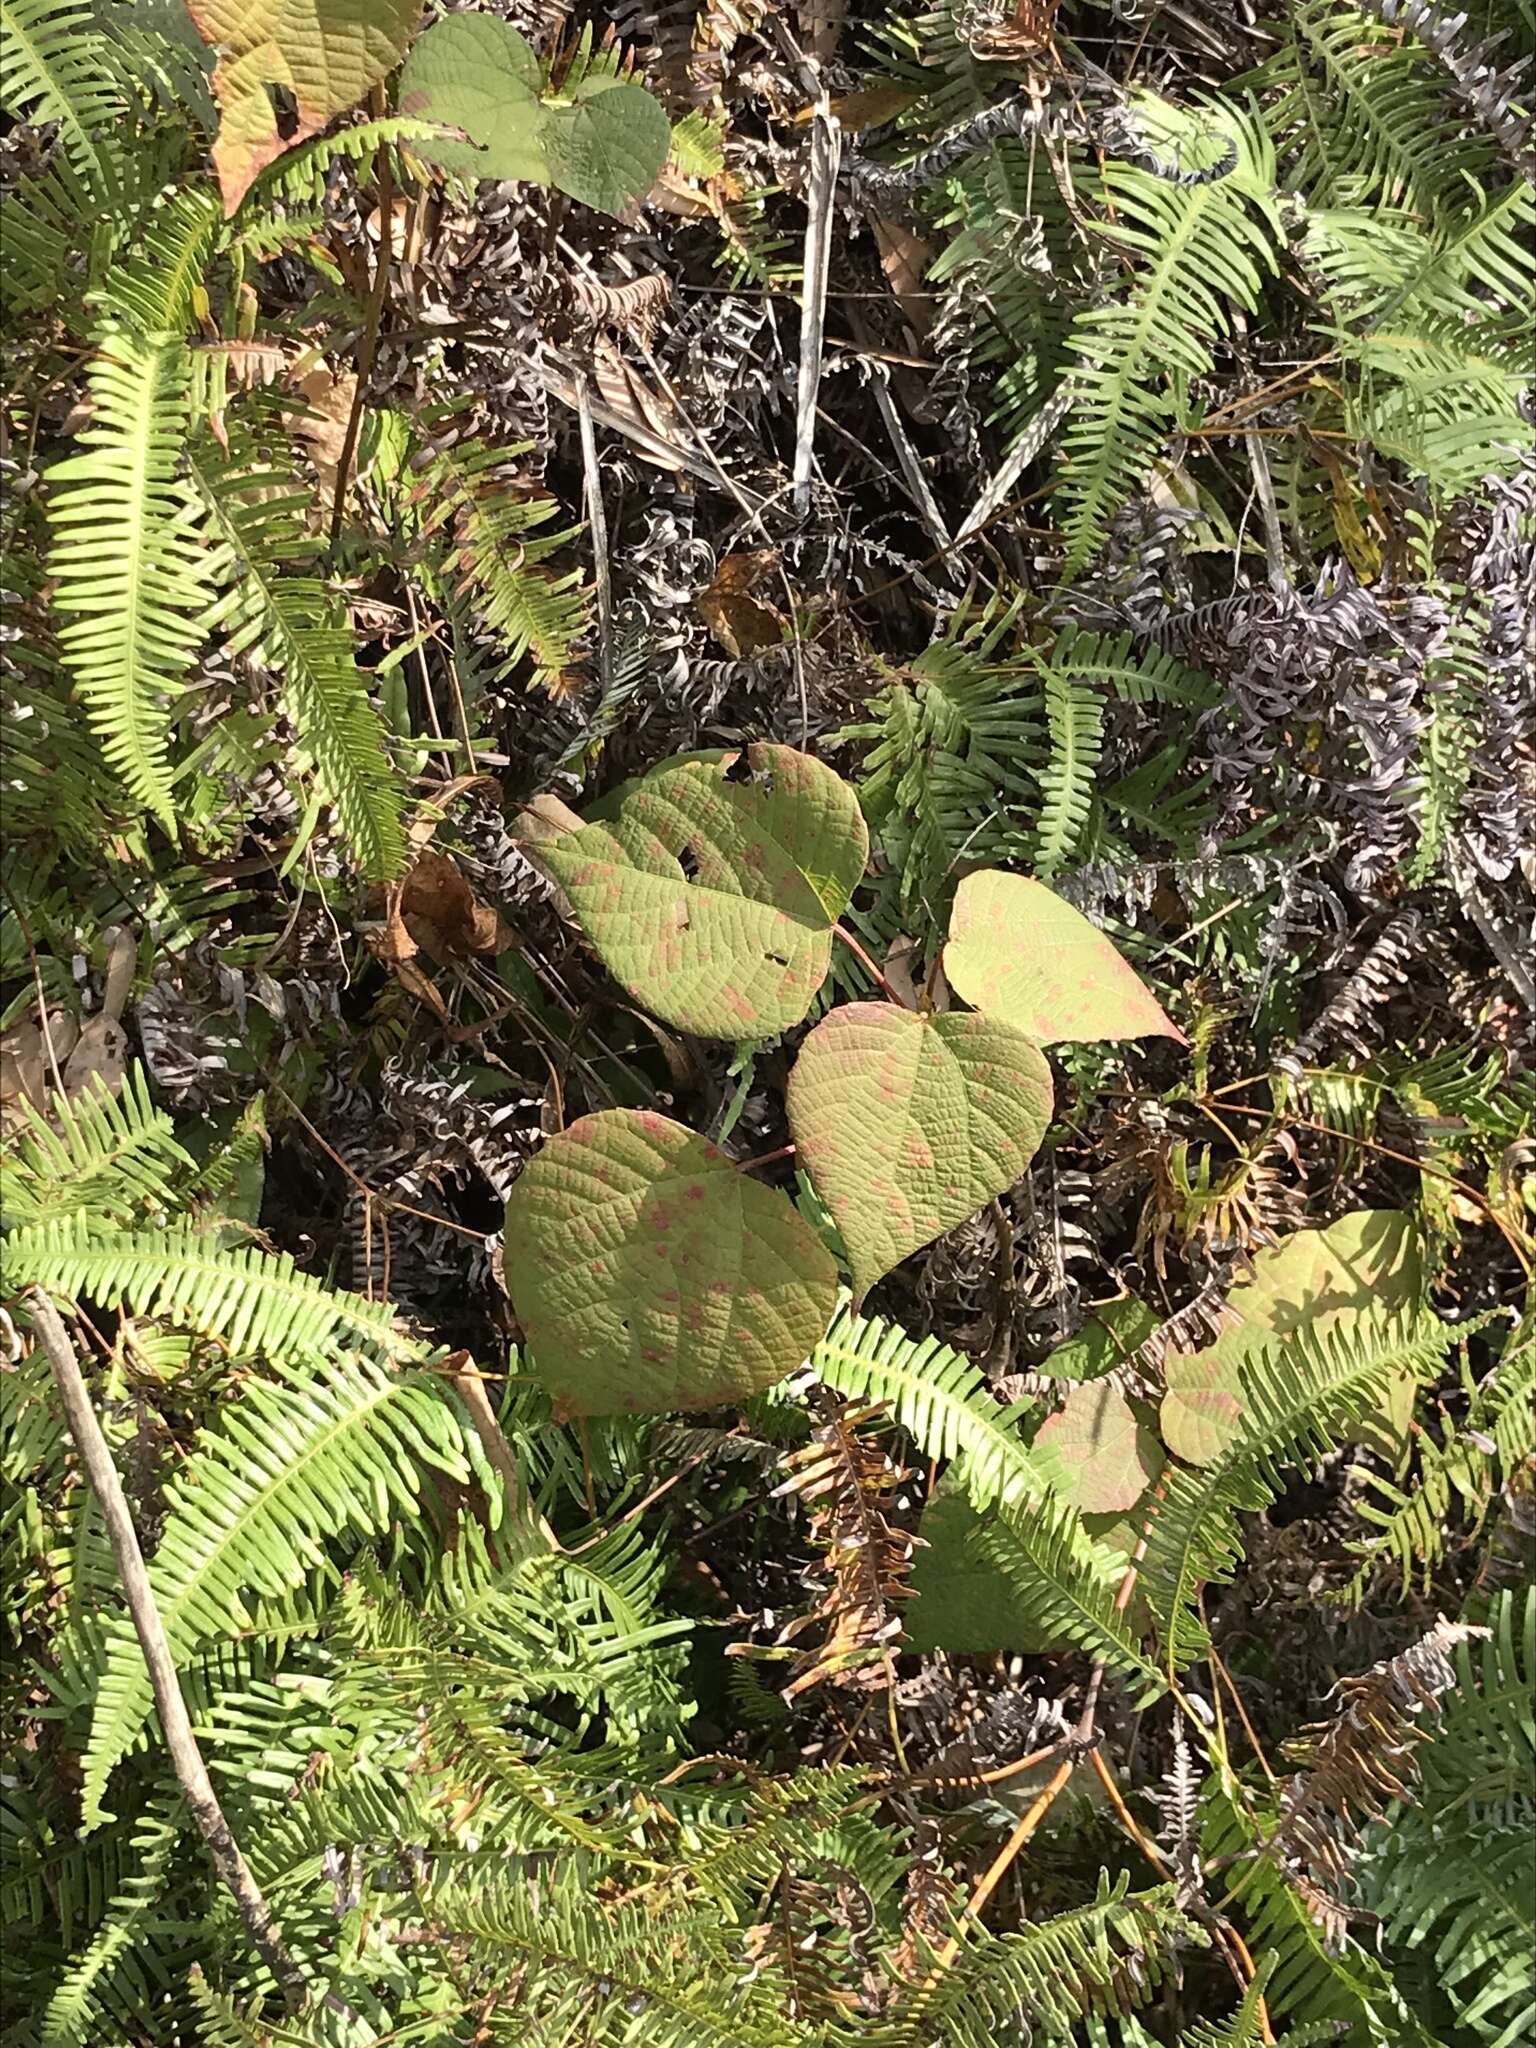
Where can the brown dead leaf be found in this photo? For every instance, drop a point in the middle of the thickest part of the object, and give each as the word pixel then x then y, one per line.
pixel 856 111
pixel 328 397
pixel 905 257
pixel 444 916
pixel 653 423
pixel 737 617
pixel 27 1071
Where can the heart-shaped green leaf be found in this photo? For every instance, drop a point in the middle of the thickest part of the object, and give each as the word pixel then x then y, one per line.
pixel 713 901
pixel 907 1124
pixel 473 72
pixel 650 1273
pixel 608 149
pixel 605 145
pixel 1314 1280
pixel 1096 1451
pixel 1019 952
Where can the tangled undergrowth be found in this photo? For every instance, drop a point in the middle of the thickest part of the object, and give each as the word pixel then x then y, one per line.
pixel 770 804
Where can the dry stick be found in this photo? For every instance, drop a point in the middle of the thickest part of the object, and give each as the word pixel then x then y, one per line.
pixel 186 1757
pixel 1082 1742
pixel 384 187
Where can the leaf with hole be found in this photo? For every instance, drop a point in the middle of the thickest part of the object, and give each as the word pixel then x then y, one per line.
pixel 1313 1281
pixel 713 900
pixel 1096 1451
pixel 907 1124
pixel 1019 952
pixel 473 72
pixel 327 54
pixel 650 1273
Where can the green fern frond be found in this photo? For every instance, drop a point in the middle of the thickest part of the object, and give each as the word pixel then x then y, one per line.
pixel 1450 1876
pixel 54 67
pixel 293 1465
pixel 160 58
pixel 153 288
pixel 255 1302
pixel 110 1156
pixel 1345 1990
pixel 1106 1957
pixel 1198 251
pixel 490 522
pixel 578 1964
pixel 128 559
pixel 1075 721
pixel 938 1396
pixel 1456 1479
pixel 1299 1400
pixel 111 1970
pixel 277 609
pixel 1362 112
pixel 1462 1906
pixel 1064 1585
pixel 1136 674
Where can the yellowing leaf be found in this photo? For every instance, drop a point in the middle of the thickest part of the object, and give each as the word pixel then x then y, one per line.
pixel 328 54
pixel 907 1124
pixel 1097 1452
pixel 1202 1409
pixel 1019 952
pixel 650 1273
pixel 713 900
pixel 1314 1280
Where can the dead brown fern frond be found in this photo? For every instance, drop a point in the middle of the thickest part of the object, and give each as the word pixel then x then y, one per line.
pixel 849 1481
pixel 1358 1764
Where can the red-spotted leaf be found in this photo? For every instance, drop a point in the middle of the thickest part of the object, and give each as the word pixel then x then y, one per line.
pixel 1315 1281
pixel 328 54
pixel 650 1273
pixel 1096 1451
pixel 1202 1408
pixel 713 900
pixel 1021 953
pixel 907 1124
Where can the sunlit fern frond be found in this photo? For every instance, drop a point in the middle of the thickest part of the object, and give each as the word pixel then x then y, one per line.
pixel 1194 253
pixel 278 610
pixel 294 1464
pixel 491 528
pixel 110 1156
pixel 129 561
pixel 1299 1400
pixel 55 66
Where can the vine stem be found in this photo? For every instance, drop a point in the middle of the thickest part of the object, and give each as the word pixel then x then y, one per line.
pixel 860 955
pixel 1082 1743
pixel 766 1158
pixel 175 1722
pixel 367 348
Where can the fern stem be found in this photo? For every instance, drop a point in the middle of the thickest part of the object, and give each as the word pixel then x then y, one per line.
pixel 384 189
pixel 175 1722
pixel 1003 1861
